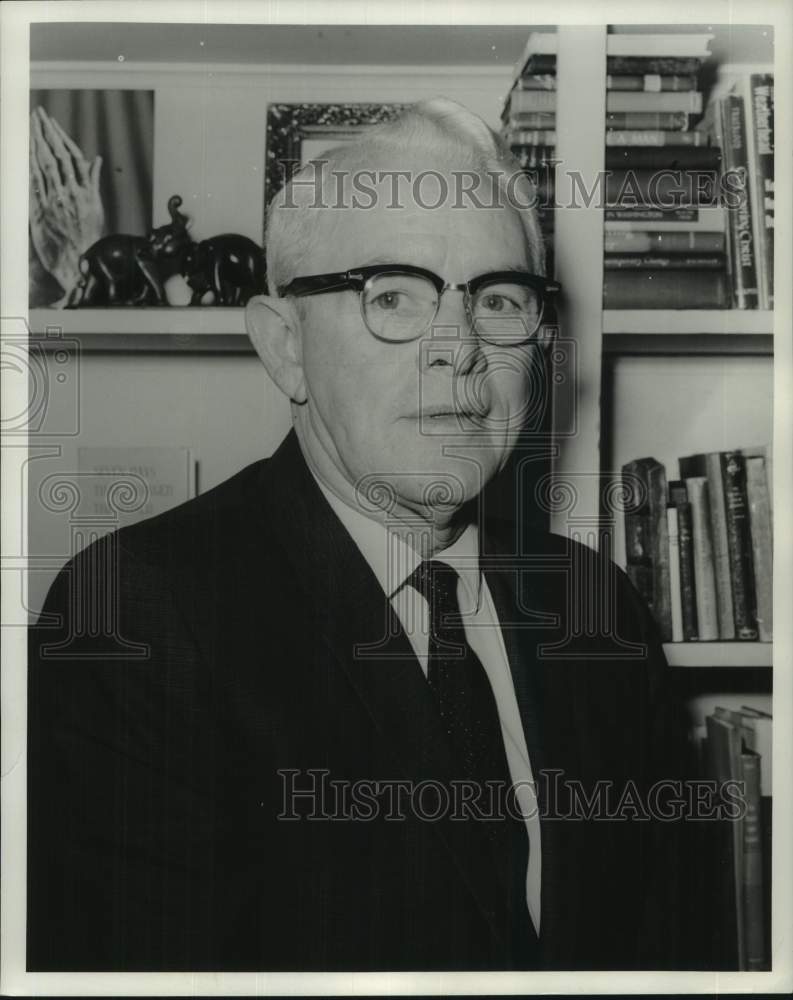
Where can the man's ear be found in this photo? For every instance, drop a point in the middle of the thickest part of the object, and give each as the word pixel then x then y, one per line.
pixel 274 329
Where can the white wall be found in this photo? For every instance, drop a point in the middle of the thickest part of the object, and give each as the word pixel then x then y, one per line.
pixel 209 147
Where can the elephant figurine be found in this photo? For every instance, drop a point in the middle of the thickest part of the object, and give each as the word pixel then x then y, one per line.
pixel 118 270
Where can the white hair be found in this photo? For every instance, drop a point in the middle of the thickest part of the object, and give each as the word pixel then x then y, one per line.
pixel 438 129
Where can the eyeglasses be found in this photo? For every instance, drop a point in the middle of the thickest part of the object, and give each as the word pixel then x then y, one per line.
pixel 399 302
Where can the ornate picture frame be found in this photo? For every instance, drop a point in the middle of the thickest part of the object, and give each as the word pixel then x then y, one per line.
pixel 291 126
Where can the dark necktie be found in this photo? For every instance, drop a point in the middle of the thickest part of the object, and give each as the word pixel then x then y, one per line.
pixel 459 681
pixel 469 713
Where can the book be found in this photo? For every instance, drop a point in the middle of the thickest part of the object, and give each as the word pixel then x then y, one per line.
pixel 530 120
pixel 629 289
pixel 761 87
pixel 759 736
pixel 664 189
pixel 676 598
pixel 689 45
pixel 123 485
pixel 666 121
pixel 522 101
pixel 650 241
pixel 666 54
pixel 688 101
pixel 725 747
pixel 654 137
pixel 709 466
pixel 647 538
pixel 657 261
pixel 667 157
pixel 678 496
pixel 662 65
pixel 536 81
pixel 704 569
pixel 530 137
pixel 642 214
pixel 702 219
pixel 736 183
pixel 739 546
pixel 757 495
pixel 753 909
pixel 535 157
pixel 540 62
pixel 651 82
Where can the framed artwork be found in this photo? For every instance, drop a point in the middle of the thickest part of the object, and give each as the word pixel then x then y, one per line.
pixel 297 133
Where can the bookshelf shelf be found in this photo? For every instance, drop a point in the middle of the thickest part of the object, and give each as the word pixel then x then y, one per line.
pixel 144 329
pixel 719 654
pixel 653 322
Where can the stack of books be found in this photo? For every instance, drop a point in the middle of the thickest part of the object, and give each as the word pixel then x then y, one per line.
pixel 736 753
pixel 740 119
pixel 665 243
pixel 699 548
pixel 528 122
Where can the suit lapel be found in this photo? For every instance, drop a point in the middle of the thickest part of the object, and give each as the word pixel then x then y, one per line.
pixel 363 634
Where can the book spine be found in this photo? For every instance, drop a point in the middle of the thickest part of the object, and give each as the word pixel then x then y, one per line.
pixel 531 120
pixel 638 548
pixel 662 188
pixel 676 597
pixel 753 907
pixel 627 241
pixel 654 137
pixel 694 262
pixel 688 600
pixel 704 575
pixel 531 137
pixel 762 97
pixel 536 157
pixel 536 81
pixel 539 63
pixel 762 546
pixel 663 65
pixel 709 466
pixel 665 290
pixel 736 183
pixel 657 215
pixel 522 101
pixel 733 472
pixel 667 157
pixel 689 102
pixel 652 83
pixel 662 593
pixel 666 121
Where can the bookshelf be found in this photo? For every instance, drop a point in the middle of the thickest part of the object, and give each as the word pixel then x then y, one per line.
pixel 666 383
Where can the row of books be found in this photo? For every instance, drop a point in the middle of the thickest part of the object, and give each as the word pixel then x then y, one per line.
pixel 669 175
pixel 681 229
pixel 736 752
pixel 699 549
pixel 740 120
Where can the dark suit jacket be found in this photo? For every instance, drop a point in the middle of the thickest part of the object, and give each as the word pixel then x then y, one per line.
pixel 182 662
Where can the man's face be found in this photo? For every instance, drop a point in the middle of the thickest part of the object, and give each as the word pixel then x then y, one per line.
pixel 444 409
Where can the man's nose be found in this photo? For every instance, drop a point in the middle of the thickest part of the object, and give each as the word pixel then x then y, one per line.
pixel 453 336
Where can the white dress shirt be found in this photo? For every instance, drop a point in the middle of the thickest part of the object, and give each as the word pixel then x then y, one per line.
pixel 393 560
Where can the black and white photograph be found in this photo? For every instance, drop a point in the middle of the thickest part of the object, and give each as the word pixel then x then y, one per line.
pixel 398 462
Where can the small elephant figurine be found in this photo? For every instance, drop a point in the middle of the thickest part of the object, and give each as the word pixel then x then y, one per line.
pixel 225 270
pixel 171 244
pixel 118 270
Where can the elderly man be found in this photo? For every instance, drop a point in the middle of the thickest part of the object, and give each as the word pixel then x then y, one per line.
pixel 341 723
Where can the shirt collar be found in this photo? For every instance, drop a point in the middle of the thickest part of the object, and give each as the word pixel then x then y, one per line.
pixel 392 559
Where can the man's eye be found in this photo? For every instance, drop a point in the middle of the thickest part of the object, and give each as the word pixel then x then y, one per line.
pixel 495 302
pixel 388 300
